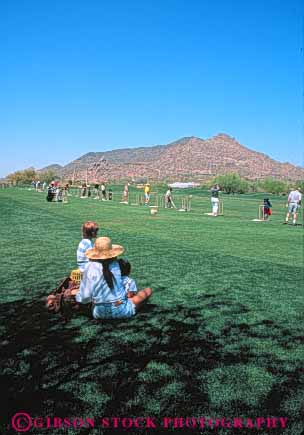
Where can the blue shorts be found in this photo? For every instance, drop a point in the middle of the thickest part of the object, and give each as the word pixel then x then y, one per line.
pixel 292 207
pixel 112 311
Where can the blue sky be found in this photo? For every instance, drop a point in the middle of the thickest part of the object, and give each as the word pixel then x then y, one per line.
pixel 79 76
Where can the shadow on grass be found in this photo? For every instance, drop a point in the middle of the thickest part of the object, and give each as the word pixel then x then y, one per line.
pixel 32 345
pixel 162 362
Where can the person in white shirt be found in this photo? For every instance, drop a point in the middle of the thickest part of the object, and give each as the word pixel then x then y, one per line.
pixel 125 197
pixel 128 282
pixel 103 192
pixel 102 283
pixel 89 232
pixel 294 202
pixel 168 198
pixel 215 190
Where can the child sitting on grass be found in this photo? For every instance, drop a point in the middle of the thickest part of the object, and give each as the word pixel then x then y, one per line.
pixel 89 232
pixel 128 283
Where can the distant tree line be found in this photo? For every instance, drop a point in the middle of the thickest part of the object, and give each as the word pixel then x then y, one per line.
pixel 233 183
pixel 230 183
pixel 28 175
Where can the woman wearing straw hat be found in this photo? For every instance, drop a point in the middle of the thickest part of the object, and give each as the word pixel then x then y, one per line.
pixel 102 283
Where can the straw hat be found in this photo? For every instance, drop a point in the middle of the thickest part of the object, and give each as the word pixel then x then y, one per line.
pixel 103 249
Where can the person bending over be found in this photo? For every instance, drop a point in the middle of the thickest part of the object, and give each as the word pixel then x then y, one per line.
pixel 267 208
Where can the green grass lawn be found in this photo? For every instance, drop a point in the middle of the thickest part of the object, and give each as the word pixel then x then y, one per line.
pixel 222 334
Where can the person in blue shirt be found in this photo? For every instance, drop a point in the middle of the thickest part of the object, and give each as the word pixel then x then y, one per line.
pixel 128 283
pixel 89 232
pixel 102 283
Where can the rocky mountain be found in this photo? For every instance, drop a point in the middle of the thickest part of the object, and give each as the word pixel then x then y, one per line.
pixel 55 168
pixel 189 158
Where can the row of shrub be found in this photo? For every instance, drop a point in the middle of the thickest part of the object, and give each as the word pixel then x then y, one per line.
pixel 233 183
pixel 230 183
pixel 28 175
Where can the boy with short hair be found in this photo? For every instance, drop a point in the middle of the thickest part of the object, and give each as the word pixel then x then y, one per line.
pixel 267 208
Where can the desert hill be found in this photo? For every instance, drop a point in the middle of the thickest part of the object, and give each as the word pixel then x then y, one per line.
pixel 55 168
pixel 187 158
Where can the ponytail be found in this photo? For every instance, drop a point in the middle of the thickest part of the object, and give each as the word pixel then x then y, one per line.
pixel 108 275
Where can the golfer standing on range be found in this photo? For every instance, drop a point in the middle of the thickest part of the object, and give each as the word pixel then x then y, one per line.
pixel 294 202
pixel 147 193
pixel 168 198
pixel 215 199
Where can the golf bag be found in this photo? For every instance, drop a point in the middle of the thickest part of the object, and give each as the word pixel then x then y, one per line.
pixel 63 299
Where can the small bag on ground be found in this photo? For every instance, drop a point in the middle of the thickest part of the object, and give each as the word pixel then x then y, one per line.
pixel 63 298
